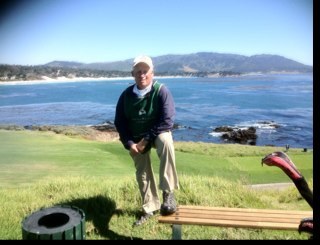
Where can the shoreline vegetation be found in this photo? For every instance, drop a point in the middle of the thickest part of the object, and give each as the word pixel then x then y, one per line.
pixel 103 133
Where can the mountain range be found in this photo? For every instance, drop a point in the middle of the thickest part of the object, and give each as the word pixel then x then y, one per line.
pixel 199 62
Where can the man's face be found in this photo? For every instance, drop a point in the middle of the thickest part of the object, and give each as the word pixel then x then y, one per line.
pixel 143 75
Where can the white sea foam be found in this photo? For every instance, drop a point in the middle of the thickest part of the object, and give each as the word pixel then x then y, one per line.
pixel 215 134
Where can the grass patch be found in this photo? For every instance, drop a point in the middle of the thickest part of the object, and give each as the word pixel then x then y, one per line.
pixel 29 156
pixel 111 207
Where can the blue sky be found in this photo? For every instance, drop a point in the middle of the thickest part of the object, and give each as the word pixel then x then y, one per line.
pixel 36 32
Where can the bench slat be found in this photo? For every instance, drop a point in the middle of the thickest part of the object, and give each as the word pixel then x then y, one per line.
pixel 234 223
pixel 241 213
pixel 248 210
pixel 279 219
pixel 237 217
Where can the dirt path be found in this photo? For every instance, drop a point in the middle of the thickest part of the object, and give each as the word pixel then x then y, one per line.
pixel 272 186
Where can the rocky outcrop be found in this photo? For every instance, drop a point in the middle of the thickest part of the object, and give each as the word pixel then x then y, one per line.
pixel 242 136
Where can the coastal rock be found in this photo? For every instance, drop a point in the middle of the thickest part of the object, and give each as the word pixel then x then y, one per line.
pixel 107 126
pixel 270 124
pixel 242 136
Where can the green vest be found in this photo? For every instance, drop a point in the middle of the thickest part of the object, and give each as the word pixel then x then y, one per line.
pixel 142 112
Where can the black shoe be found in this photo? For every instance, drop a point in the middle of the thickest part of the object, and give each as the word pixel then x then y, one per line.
pixel 169 205
pixel 143 219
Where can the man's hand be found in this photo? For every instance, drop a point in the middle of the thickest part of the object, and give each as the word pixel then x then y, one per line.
pixel 143 146
pixel 134 150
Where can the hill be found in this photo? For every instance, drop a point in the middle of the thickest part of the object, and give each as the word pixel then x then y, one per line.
pixel 196 64
pixel 202 62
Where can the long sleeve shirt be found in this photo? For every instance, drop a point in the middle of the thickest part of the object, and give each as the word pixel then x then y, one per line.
pixel 164 119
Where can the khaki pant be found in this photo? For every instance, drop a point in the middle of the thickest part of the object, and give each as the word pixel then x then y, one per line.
pixel 167 173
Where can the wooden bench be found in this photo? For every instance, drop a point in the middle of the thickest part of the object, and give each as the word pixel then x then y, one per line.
pixel 233 217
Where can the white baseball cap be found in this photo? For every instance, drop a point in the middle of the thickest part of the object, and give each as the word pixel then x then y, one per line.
pixel 143 59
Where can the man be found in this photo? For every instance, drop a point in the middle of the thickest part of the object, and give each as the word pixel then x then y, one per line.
pixel 144 119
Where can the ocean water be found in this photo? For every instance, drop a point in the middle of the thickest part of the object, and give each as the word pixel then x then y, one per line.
pixel 202 104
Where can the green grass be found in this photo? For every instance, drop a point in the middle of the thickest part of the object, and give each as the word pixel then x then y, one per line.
pixel 111 207
pixel 29 156
pixel 42 169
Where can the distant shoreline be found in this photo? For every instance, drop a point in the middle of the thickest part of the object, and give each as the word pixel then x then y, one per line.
pixel 48 80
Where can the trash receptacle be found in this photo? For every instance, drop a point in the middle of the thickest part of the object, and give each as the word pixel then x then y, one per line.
pixel 55 223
